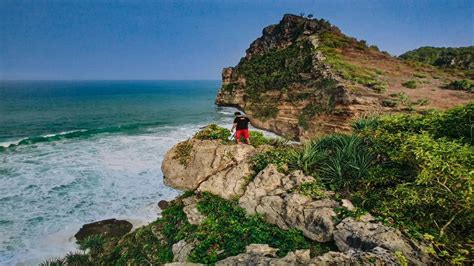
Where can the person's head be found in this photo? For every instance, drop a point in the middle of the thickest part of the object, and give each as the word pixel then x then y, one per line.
pixel 237 113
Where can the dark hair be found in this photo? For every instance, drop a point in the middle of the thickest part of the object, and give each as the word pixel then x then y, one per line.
pixel 237 113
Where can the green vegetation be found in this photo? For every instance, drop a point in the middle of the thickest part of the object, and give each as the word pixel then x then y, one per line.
pixel 413 172
pixel 277 69
pixel 308 112
pixel 183 152
pixel 443 57
pixel 411 84
pixel 225 232
pixel 314 190
pixel 213 132
pixel 280 157
pixel 229 229
pixel 463 85
pixel 228 87
pixel 331 45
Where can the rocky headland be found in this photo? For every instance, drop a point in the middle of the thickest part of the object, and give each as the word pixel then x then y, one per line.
pixel 304 78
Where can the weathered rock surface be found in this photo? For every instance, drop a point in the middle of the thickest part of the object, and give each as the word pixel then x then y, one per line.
pixel 257 254
pixel 181 251
pixel 192 213
pixel 105 228
pixel 273 194
pixel 216 167
pixel 366 236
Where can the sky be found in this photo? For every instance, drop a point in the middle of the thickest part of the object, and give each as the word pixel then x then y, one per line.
pixel 180 40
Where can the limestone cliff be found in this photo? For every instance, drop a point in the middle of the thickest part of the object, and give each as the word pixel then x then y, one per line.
pixel 303 77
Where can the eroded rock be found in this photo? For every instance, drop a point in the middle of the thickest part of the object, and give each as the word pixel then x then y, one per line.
pixel 181 250
pixel 192 213
pixel 106 228
pixel 274 195
pixel 366 236
pixel 206 159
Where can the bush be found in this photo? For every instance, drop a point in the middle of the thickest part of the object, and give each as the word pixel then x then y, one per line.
pixel 183 152
pixel 464 85
pixel 213 131
pixel 422 178
pixel 277 156
pixel 339 160
pixel 227 228
pixel 411 84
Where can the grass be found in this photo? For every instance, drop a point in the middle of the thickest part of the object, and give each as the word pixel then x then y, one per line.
pixel 410 84
pixel 183 152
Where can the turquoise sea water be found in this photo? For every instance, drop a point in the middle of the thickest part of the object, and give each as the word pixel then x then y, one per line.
pixel 72 152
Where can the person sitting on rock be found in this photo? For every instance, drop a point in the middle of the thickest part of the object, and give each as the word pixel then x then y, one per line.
pixel 241 124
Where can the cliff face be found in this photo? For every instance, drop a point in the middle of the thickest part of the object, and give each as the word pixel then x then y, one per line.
pixel 303 78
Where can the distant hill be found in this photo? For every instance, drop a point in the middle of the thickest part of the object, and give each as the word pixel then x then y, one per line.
pixel 304 77
pixel 462 57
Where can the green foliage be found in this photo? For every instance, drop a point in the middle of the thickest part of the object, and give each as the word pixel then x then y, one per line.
pixel 227 228
pixel 339 160
pixel 53 262
pixel 308 112
pixel 464 85
pixel 277 156
pixel 213 132
pixel 264 110
pixel 378 87
pixel 411 84
pixel 277 69
pixel 331 45
pixel 258 139
pixel 443 57
pixel 94 243
pixel 77 259
pixel 183 152
pixel 314 190
pixel 423 178
pixel 390 103
pixel 365 123
pixel 228 87
pixel 150 244
pixel 455 124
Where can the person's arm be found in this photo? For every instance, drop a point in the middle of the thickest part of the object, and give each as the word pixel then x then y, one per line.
pixel 233 127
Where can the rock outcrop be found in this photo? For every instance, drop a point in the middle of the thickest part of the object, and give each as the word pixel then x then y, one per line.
pixel 278 198
pixel 210 166
pixel 106 228
pixel 275 196
pixel 367 235
pixel 258 254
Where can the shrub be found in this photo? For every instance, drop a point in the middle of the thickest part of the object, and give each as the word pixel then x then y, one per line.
pixel 277 156
pixel 411 84
pixel 389 103
pixel 227 228
pixel 370 122
pixel 308 112
pixel 213 132
pixel 77 259
pixel 464 85
pixel 258 139
pixel 378 87
pixel 422 178
pixel 314 190
pixel 183 152
pixel 339 160
pixel 94 243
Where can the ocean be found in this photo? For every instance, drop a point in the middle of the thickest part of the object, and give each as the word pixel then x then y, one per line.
pixel 74 152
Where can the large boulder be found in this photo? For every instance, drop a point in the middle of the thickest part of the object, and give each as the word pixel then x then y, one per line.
pixel 209 163
pixel 275 195
pixel 367 235
pixel 106 228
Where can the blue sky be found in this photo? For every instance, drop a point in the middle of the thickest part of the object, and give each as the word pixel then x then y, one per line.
pixel 195 39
